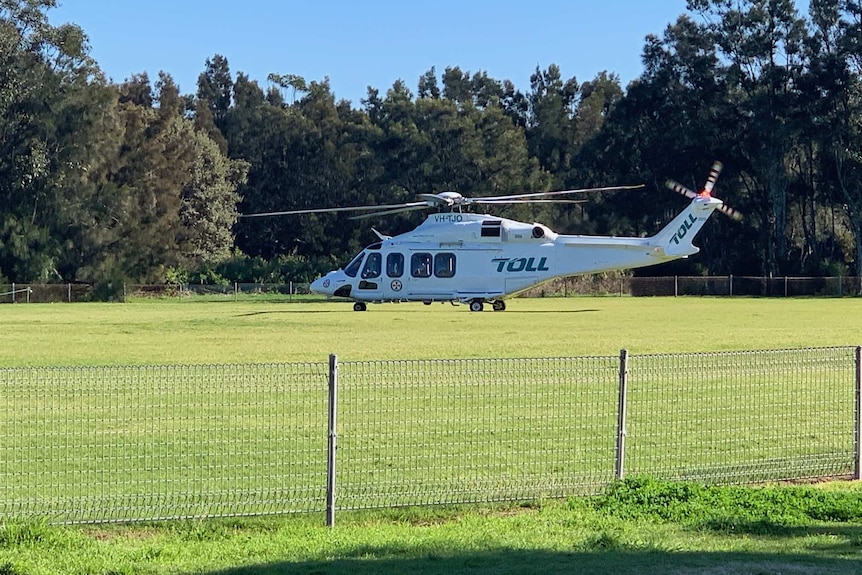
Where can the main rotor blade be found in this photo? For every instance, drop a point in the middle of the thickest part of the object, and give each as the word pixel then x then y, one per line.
pixel 557 193
pixel 713 175
pixel 412 208
pixel 538 201
pixel 413 205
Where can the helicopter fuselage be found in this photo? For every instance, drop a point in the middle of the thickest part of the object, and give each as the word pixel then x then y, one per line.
pixel 462 257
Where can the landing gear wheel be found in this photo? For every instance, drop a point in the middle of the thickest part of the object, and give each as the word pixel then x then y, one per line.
pixel 476 305
pixel 499 305
pixel 426 301
pixel 359 306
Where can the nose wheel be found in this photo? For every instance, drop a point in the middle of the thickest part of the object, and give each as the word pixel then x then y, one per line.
pixel 359 306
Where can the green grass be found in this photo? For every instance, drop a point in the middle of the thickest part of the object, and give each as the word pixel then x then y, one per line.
pixel 644 528
pixel 640 527
pixel 170 332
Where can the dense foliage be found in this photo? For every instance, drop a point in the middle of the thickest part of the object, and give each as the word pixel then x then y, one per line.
pixel 135 181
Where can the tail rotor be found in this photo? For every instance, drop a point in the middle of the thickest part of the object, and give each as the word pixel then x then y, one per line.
pixel 706 192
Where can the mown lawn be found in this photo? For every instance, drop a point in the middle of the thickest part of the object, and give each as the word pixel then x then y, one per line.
pixel 639 527
pixel 173 332
pixel 741 530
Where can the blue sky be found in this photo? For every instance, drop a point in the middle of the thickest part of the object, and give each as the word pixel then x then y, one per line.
pixel 368 42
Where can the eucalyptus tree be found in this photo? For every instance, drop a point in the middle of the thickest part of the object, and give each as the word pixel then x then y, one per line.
pixel 151 170
pixel 50 91
pixel 403 148
pixel 307 154
pixel 428 86
pixel 552 104
pixel 215 88
pixel 834 90
pixel 761 45
pixel 208 195
pixel 209 200
pixel 672 122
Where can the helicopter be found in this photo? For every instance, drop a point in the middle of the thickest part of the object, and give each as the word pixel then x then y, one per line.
pixel 477 259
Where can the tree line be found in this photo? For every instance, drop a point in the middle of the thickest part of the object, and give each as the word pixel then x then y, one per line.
pixel 134 181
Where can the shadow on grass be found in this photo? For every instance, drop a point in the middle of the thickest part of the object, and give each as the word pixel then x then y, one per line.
pixel 368 561
pixel 398 309
pixel 837 539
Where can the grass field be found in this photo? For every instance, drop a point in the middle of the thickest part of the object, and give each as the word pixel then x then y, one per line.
pixel 579 536
pixel 171 332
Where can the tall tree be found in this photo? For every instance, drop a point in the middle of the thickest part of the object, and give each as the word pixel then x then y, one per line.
pixel 43 72
pixel 208 210
pixel 762 42
pixel 835 90
pixel 215 87
pixel 141 189
pixel 549 129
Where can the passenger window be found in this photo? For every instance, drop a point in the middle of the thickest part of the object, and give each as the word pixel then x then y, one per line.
pixel 420 265
pixel 395 265
pixel 372 266
pixel 444 265
pixel 353 267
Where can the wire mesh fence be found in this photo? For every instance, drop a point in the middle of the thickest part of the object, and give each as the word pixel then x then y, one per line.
pixel 456 431
pixel 742 417
pixel 143 443
pixel 140 443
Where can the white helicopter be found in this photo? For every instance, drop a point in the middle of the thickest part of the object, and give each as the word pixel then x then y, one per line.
pixel 476 259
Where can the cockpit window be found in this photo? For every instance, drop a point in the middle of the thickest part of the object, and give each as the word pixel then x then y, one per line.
pixel 353 267
pixel 372 266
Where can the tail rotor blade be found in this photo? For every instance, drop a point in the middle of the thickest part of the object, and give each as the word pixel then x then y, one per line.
pixel 713 175
pixel 730 212
pixel 680 189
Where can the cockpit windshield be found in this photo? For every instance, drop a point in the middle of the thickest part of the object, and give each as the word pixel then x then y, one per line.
pixel 353 267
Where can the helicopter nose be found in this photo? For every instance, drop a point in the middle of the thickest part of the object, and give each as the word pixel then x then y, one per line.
pixel 319 285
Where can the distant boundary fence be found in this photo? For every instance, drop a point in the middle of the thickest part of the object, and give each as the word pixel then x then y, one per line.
pixel 597 284
pixel 133 443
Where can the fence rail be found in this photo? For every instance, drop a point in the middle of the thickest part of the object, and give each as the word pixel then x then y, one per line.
pixel 597 284
pixel 144 443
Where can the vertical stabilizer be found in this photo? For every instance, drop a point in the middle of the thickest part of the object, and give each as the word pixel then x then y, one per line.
pixel 675 239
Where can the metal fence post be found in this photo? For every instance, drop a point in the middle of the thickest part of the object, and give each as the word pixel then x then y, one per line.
pixel 333 437
pixel 621 415
pixel 857 442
